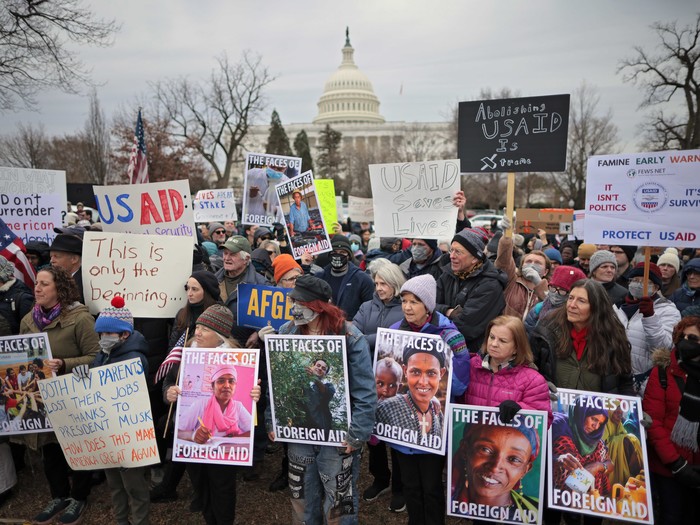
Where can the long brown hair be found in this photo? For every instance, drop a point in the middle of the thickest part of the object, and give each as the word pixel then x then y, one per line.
pixel 331 318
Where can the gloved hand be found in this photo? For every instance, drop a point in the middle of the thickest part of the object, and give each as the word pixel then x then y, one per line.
pixel 688 475
pixel 505 223
pixel 531 275
pixel 507 410
pixel 265 330
pixel 646 420
pixel 646 306
pixel 81 371
pixel 552 391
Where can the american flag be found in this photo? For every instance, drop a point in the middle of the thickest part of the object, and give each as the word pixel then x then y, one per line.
pixel 138 163
pixel 174 357
pixel 12 248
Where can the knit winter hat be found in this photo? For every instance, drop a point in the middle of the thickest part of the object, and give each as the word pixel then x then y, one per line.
pixel 218 318
pixel 309 288
pixel 223 370
pixel 654 273
pixel 209 283
pixel 116 319
pixel 629 251
pixel 341 242
pixel 553 255
pixel 210 247
pixel 472 241
pixel 601 257
pixel 284 263
pixel 424 288
pixel 586 250
pixel 432 243
pixel 518 240
pixel 213 226
pixel 670 258
pixel 565 276
pixel 7 270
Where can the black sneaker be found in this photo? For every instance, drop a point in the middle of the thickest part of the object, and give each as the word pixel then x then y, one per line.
pixel 280 482
pixel 53 509
pixel 398 503
pixel 374 491
pixel 73 513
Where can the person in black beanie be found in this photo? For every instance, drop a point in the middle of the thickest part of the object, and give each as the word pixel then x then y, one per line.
pixel 624 256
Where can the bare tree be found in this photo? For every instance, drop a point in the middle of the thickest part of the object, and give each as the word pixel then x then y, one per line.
pixel 96 143
pixel 590 133
pixel 419 143
pixel 36 38
pixel 29 147
pixel 213 117
pixel 670 77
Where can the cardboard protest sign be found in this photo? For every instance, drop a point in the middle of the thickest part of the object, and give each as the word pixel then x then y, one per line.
pixel 414 199
pixel 579 224
pixel 513 135
pixel 361 208
pixel 156 208
pixel 262 173
pixel 214 421
pixel 21 367
pixel 325 193
pixel 306 229
pixel 214 206
pixel 406 413
pixel 260 306
pixel 479 441
pixel 589 429
pixel 142 269
pixel 551 220
pixel 309 398
pixel 643 199
pixel 105 420
pixel 33 202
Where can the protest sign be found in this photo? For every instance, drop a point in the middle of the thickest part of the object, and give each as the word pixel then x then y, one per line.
pixel 309 398
pixel 551 220
pixel 21 366
pixel 361 208
pixel 262 173
pixel 643 199
pixel 33 202
pixel 214 206
pixel 406 413
pixel 260 306
pixel 478 441
pixel 104 420
pixel 579 224
pixel 214 421
pixel 513 135
pixel 414 199
pixel 142 269
pixel 156 208
pixel 592 428
pixel 325 192
pixel 306 229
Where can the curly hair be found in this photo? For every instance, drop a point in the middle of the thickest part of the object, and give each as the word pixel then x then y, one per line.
pixel 66 289
pixel 691 320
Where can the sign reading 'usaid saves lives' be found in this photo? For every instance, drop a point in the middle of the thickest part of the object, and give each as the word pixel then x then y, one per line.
pixel 643 199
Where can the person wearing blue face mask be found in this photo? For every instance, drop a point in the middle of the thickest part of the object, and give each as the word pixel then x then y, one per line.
pixel 263 206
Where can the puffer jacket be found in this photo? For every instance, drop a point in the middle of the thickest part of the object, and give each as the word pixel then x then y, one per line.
pixel 522 384
pixel 374 314
pixel 480 297
pixel 647 333
pixel 520 294
pixel 684 296
pixel 662 404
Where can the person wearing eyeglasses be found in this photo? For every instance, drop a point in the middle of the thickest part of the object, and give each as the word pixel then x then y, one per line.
pixel 624 256
pixel 558 291
pixel 671 400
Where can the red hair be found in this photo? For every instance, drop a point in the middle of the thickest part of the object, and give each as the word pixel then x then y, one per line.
pixel 331 318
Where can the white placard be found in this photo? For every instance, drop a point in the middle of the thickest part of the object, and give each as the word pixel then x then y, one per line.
pixel 215 206
pixel 360 208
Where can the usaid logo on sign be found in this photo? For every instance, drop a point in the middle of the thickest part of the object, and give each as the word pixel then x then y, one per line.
pixel 650 197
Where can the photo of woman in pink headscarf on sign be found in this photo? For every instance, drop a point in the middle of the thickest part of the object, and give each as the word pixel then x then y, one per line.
pixel 219 415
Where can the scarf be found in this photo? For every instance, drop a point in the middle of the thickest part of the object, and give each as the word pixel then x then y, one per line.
pixel 225 421
pixel 463 275
pixel 685 430
pixel 419 328
pixel 42 318
pixel 578 339
pixel 630 306
pixel 571 425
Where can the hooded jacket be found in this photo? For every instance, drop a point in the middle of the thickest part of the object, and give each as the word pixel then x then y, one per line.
pixel 684 296
pixel 374 314
pixel 135 346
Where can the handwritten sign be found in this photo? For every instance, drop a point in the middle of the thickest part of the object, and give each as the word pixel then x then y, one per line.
pixel 141 268
pixel 21 367
pixel 513 135
pixel 551 220
pixel 325 191
pixel 361 208
pixel 156 208
pixel 33 202
pixel 415 199
pixel 643 199
pixel 105 420
pixel 224 414
pixel 215 205
pixel 260 306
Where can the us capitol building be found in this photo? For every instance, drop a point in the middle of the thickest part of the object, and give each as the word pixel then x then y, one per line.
pixel 348 104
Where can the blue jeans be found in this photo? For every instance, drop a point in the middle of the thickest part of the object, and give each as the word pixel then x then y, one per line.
pixel 323 483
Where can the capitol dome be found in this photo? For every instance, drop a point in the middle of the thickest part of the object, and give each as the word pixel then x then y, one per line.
pixel 348 97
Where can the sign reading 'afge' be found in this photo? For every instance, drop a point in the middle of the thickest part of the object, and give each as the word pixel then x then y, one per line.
pixel 513 135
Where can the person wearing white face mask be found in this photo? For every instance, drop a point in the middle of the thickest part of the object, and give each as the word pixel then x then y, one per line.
pixel 648 318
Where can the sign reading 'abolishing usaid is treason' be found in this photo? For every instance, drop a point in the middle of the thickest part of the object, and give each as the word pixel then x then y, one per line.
pixel 643 199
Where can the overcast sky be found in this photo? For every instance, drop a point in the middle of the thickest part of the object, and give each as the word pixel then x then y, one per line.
pixel 440 52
